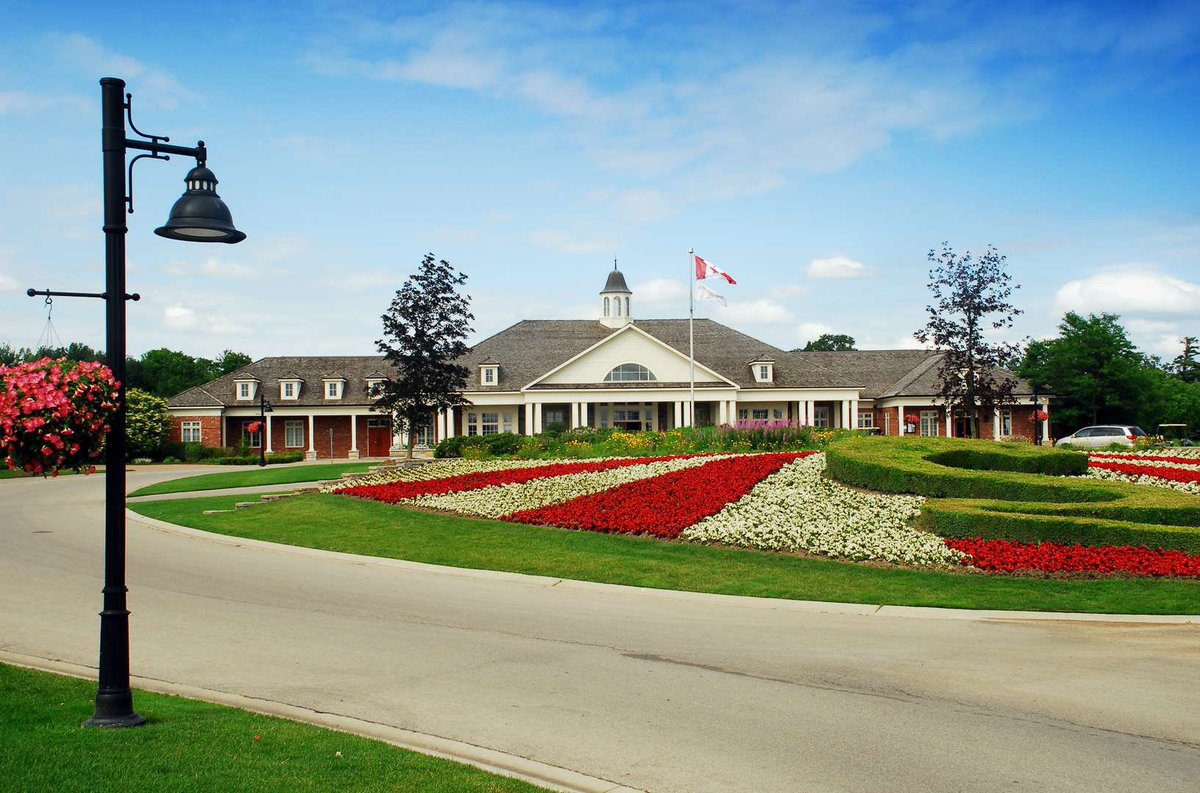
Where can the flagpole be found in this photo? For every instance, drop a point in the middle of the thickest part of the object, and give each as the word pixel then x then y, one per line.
pixel 691 335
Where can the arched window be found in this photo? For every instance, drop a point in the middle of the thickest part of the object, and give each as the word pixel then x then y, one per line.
pixel 617 307
pixel 626 306
pixel 606 306
pixel 629 372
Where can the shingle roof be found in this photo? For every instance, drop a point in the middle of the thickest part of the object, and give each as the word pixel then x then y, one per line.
pixel 885 374
pixel 355 368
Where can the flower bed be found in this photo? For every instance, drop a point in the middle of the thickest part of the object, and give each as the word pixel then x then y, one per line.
pixel 798 509
pixel 1186 475
pixel 393 492
pixel 439 469
pixel 1050 557
pixel 663 506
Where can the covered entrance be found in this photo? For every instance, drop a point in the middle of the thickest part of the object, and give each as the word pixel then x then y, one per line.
pixel 379 437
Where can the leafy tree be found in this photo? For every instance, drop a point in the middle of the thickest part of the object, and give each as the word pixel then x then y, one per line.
pixel 1094 372
pixel 1186 366
pixel 230 361
pixel 424 331
pixel 970 297
pixel 147 423
pixel 165 373
pixel 830 342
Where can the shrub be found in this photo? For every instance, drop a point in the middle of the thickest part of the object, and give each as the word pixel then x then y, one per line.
pixel 254 459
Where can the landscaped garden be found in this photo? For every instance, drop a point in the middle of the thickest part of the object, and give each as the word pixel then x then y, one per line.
pixel 918 521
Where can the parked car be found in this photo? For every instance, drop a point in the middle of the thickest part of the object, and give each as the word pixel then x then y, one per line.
pixel 1103 435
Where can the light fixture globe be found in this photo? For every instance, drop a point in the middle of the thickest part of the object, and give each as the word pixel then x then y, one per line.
pixel 200 215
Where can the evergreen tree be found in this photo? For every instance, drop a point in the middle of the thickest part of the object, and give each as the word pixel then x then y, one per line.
pixel 1186 366
pixel 970 297
pixel 424 331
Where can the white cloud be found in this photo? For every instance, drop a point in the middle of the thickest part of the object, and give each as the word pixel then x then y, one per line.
pixel 810 331
pixel 1128 291
pixel 7 283
pixel 88 56
pixel 836 267
pixel 223 268
pixel 753 312
pixel 177 317
pixel 907 343
pixel 25 103
pixel 659 296
pixel 561 241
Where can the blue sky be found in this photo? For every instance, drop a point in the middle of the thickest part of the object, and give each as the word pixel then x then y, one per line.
pixel 816 151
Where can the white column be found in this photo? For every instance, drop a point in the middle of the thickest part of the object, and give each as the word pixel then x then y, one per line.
pixel 267 434
pixel 537 418
pixel 678 414
pixel 723 412
pixel 731 411
pixel 399 443
pixel 900 414
pixel 949 420
pixel 440 426
pixel 798 412
pixel 583 414
pixel 810 411
pixel 853 414
pixel 845 410
pixel 996 425
pixel 1046 430
pixel 450 428
pixel 311 454
pixel 574 415
pixel 528 418
pixel 353 455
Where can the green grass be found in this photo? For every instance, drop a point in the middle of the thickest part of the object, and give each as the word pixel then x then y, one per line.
pixel 262 476
pixel 195 746
pixel 339 523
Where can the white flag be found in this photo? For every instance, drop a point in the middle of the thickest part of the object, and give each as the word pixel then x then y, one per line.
pixel 704 293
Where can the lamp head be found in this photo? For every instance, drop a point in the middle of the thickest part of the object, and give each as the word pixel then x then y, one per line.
pixel 200 215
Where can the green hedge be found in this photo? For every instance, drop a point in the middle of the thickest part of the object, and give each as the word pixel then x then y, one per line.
pixel 254 459
pixel 1025 493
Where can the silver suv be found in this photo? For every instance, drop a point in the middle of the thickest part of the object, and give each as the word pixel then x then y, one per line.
pixel 1100 436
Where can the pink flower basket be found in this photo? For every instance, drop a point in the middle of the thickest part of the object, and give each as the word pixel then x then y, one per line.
pixel 54 415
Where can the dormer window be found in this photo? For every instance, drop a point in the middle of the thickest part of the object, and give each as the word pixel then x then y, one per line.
pixel 246 389
pixel 489 374
pixel 289 388
pixel 375 386
pixel 764 371
pixel 334 387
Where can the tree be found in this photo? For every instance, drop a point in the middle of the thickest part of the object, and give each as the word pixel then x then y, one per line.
pixel 970 296
pixel 830 342
pixel 165 373
pixel 1185 366
pixel 147 423
pixel 1094 372
pixel 229 362
pixel 424 331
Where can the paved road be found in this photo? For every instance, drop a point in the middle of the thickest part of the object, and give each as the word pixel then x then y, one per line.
pixel 646 689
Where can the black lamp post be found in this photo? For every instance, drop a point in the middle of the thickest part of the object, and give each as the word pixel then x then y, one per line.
pixel 264 407
pixel 198 216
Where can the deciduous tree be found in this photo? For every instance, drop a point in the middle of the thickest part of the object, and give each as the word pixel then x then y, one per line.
pixel 830 342
pixel 424 330
pixel 970 298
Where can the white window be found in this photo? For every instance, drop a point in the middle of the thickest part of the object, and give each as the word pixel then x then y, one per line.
pixel 778 414
pixel 255 440
pixel 606 306
pixel 288 390
pixel 487 375
pixel 490 424
pixel 190 432
pixel 375 386
pixel 245 390
pixel 617 304
pixel 929 422
pixel 626 306
pixel 472 424
pixel 759 414
pixel 293 433
pixel 333 389
pixel 508 423
pixel 866 419
pixel 629 372
pixel 764 372
pixel 1005 423
pixel 743 414
pixel 821 416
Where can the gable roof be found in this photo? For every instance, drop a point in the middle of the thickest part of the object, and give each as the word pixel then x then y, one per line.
pixel 886 374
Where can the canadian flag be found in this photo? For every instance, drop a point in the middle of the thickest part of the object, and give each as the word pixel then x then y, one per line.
pixel 706 270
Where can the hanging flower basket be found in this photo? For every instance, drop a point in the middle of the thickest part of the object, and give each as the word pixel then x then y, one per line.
pixel 912 418
pixel 1040 415
pixel 54 415
pixel 254 427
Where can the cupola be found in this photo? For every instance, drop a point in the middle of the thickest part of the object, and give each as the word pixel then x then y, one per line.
pixel 615 308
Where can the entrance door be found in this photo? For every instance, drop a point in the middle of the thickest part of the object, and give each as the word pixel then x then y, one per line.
pixel 379 437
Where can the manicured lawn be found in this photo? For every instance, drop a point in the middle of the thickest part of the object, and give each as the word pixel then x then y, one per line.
pixel 194 746
pixel 339 523
pixel 270 475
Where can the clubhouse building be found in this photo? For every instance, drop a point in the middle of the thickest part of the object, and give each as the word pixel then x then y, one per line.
pixel 613 371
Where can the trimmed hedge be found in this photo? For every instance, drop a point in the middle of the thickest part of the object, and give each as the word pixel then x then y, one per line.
pixel 254 459
pixel 997 491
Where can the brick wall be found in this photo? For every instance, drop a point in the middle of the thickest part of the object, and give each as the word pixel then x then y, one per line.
pixel 210 429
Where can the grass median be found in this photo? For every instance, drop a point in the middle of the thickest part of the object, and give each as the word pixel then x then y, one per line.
pixel 196 746
pixel 339 523
pixel 256 478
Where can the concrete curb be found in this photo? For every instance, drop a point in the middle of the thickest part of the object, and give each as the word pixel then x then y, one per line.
pixel 490 760
pixel 810 606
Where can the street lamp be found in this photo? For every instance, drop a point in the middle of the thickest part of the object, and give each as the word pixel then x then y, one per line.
pixel 198 216
pixel 264 407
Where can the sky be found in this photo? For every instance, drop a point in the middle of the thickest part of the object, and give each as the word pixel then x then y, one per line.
pixel 815 151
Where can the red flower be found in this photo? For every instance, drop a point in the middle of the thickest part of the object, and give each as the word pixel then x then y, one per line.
pixel 1050 557
pixel 1108 463
pixel 253 427
pixel 1039 415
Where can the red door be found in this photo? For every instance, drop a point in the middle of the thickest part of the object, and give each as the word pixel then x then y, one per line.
pixel 379 439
